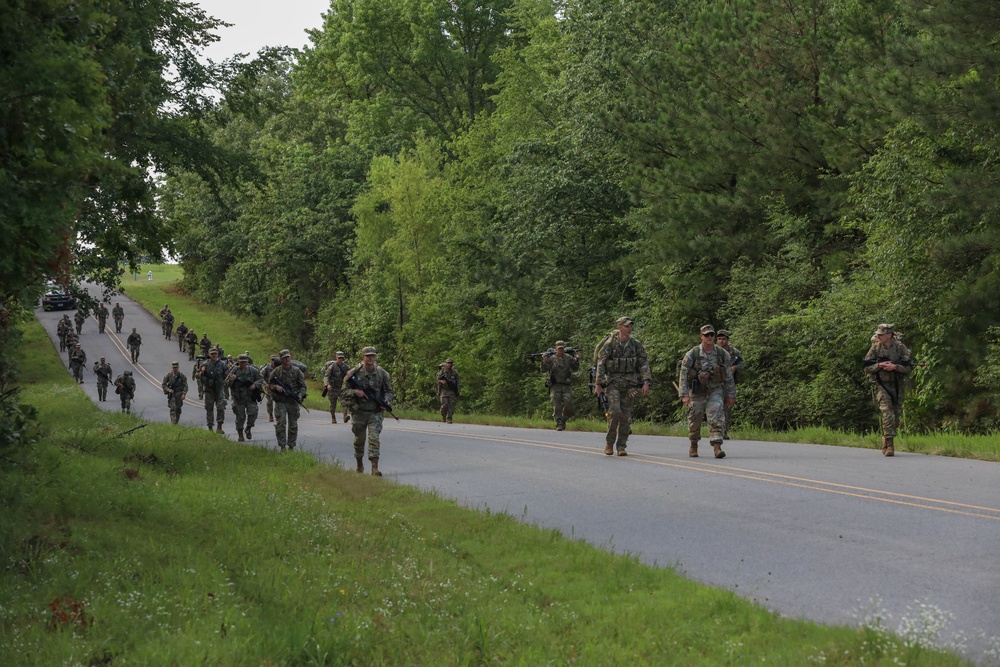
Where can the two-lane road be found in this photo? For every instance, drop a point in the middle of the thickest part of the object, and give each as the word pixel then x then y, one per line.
pixel 826 533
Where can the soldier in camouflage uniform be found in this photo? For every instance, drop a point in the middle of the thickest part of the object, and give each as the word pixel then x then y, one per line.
pixel 449 388
pixel 213 375
pixel 168 325
pixel 72 340
pixel 102 318
pixel 64 327
pixel 175 386
pixel 118 315
pixel 245 384
pixel 102 369
pixel 205 344
pixel 77 361
pixel 889 363
pixel 707 387
pixel 125 388
pixel 191 340
pixel 736 357
pixel 182 331
pixel 265 372
pixel 79 318
pixel 134 342
pixel 366 413
pixel 333 382
pixel 559 368
pixel 622 373
pixel 287 385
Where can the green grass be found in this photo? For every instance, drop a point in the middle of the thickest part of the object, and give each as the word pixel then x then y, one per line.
pixel 174 546
pixel 237 335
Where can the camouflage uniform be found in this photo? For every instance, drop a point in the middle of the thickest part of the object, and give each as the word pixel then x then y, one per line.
pixel 706 378
pixel 77 361
pixel 79 318
pixel 63 328
pixel 182 337
pixel 191 339
pixel 213 375
pixel 622 369
pixel 168 325
pixel 205 344
pixel 265 372
pixel 134 342
pixel 125 388
pixel 175 386
pixel 72 340
pixel 102 318
pixel 118 315
pixel 333 380
pixel 890 385
pixel 448 391
pixel 737 360
pixel 366 413
pixel 103 371
pixel 245 386
pixel 559 380
pixel 286 425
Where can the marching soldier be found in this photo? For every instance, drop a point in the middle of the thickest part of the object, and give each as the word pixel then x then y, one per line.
pixel 449 388
pixel 333 382
pixel 889 364
pixel 118 314
pixel 133 343
pixel 559 369
pixel 175 386
pixel 736 357
pixel 77 361
pixel 213 375
pixel 245 384
pixel 365 411
pixel 102 318
pixel 706 388
pixel 181 336
pixel 205 344
pixel 287 385
pixel 103 371
pixel 168 324
pixel 79 318
pixel 265 372
pixel 64 327
pixel 191 341
pixel 125 388
pixel 622 373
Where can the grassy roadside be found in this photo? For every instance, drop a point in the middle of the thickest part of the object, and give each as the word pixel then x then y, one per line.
pixel 174 546
pixel 237 335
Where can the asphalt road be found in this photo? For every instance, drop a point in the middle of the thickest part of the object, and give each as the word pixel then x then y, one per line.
pixel 830 534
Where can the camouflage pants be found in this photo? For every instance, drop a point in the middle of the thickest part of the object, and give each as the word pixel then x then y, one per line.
pixel 333 403
pixel 102 388
pixel 181 344
pixel 270 405
pixel 561 397
pixel 215 407
pixel 286 423
pixel 77 372
pixel 246 413
pixel 713 405
pixel 370 423
pixel 135 353
pixel 79 328
pixel 62 343
pixel 190 352
pixel 892 414
pixel 126 402
pixel 620 402
pixel 448 403
pixel 175 404
pixel 101 323
pixel 118 324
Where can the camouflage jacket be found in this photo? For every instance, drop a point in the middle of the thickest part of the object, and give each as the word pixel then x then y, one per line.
pixel 702 372
pixel 892 383
pixel 103 372
pixel 213 374
pixel 175 383
pixel 118 312
pixel 623 365
pixel 451 380
pixel 133 340
pixel 291 377
pixel 242 382
pixel 559 369
pixel 376 381
pixel 125 385
pixel 334 374
pixel 77 357
pixel 736 358
pixel 102 312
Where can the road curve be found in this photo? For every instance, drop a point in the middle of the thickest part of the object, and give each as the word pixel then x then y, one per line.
pixel 829 534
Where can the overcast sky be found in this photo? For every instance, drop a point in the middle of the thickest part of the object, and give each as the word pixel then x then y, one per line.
pixel 260 23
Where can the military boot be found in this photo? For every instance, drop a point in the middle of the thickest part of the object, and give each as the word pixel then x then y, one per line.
pixel 218 429
pixel 609 449
pixel 248 433
pixel 693 451
pixel 347 417
pixel 719 454
pixel 887 447
pixel 333 419
pixel 375 470
pixel 560 426
pixel 239 434
pixel 361 463
pixel 210 427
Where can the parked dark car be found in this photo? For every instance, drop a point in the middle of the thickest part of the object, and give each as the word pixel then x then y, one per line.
pixel 58 299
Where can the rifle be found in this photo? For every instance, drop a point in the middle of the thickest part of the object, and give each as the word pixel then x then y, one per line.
pixel 288 390
pixel 451 385
pixel 549 352
pixel 371 396
pixel 602 398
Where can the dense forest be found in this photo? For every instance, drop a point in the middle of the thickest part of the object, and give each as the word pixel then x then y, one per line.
pixel 475 179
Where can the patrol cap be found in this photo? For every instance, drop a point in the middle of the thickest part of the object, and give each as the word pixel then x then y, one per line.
pixel 213 350
pixel 275 358
pixel 707 329
pixel 885 329
pixel 339 355
pixel 449 361
pixel 284 353
pixel 243 357
pixel 128 372
pixel 175 364
pixel 623 320
pixel 368 350
pixel 722 332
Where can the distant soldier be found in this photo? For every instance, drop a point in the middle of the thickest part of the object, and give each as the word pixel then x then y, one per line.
pixel 72 340
pixel 622 373
pixel 163 311
pixel 449 388
pixel 706 388
pixel 204 344
pixel 102 317
pixel 245 385
pixel 213 375
pixel 736 358
pixel 182 336
pixel 175 386
pixel 249 358
pixel 125 388
pixel 118 314
pixel 64 327
pixel 77 362
pixel 168 325
pixel 79 318
pixel 191 341
pixel 265 372
pixel 287 385
pixel 103 371
pixel 558 369
pixel 889 364
pixel 367 413
pixel 133 343
pixel 196 376
pixel 333 382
